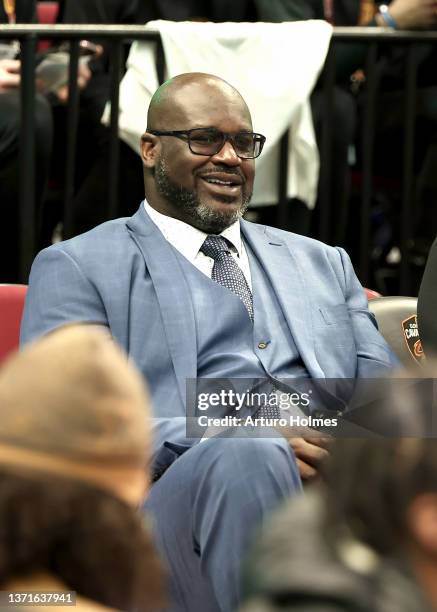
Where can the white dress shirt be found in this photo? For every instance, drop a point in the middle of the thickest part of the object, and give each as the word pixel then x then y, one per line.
pixel 188 241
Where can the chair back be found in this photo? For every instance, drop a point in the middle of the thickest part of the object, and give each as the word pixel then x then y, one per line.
pixel 47 12
pixel 397 322
pixel 11 310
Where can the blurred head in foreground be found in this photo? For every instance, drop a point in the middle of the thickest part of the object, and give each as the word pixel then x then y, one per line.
pixel 74 455
pixel 366 537
pixel 385 500
pixel 384 489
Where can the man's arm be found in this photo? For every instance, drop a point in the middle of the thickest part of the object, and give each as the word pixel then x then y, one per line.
pixel 375 357
pixel 59 293
pixel 411 14
pixel 9 74
pixel 427 304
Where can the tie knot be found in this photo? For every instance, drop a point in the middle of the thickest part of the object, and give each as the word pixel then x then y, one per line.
pixel 214 246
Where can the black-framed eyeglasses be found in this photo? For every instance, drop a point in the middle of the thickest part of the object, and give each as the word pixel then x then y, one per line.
pixel 209 141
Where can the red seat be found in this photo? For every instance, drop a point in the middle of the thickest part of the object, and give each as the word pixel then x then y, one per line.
pixel 11 309
pixel 47 12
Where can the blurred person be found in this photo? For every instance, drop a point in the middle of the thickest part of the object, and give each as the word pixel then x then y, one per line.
pixel 365 539
pixel 349 58
pixel 94 97
pixel 74 467
pixel 407 14
pixel 91 136
pixel 22 11
pixel 191 290
pixel 10 119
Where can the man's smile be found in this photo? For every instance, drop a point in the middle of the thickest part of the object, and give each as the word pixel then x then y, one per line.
pixel 223 183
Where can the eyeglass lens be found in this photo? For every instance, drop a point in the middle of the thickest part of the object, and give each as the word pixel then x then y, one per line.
pixel 210 141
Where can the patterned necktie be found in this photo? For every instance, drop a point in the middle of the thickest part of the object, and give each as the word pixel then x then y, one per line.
pixel 226 271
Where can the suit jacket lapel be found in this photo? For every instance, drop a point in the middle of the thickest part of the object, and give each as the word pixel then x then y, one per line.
pixel 286 277
pixel 172 293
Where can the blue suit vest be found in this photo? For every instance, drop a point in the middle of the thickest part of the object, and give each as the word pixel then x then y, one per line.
pixel 228 344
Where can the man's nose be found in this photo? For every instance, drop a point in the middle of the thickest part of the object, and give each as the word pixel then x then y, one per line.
pixel 227 155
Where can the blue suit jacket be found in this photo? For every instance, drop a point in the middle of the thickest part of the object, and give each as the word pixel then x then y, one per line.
pixel 124 275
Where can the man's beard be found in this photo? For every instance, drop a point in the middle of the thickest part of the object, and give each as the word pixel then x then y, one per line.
pixel 194 211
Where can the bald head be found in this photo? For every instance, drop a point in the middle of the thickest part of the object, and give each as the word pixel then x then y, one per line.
pixel 71 402
pixel 187 89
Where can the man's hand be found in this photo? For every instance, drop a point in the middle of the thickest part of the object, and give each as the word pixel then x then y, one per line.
pixel 9 74
pixel 310 452
pixel 10 77
pixel 414 13
pixel 83 76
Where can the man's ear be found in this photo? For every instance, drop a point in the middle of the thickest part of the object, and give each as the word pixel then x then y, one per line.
pixel 422 522
pixel 150 147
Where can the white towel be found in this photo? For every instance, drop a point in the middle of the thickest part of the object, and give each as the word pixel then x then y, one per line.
pixel 273 65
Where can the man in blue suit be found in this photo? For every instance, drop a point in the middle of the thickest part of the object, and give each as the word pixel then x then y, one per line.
pixel 192 291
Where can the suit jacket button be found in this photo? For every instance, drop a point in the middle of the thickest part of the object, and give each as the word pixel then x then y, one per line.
pixel 262 345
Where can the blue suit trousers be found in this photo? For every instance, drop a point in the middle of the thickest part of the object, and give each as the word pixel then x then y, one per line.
pixel 206 507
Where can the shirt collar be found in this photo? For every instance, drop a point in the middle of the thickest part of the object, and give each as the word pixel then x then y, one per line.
pixel 188 239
